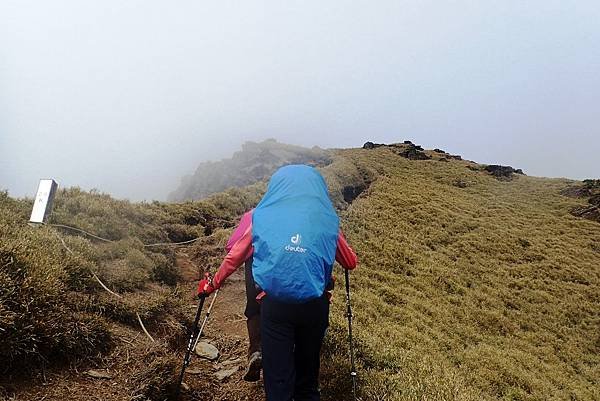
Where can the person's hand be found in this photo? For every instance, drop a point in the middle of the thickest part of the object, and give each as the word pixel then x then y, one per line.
pixel 205 286
pixel 331 285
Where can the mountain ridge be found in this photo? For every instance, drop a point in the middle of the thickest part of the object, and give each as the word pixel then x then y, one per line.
pixel 473 283
pixel 255 162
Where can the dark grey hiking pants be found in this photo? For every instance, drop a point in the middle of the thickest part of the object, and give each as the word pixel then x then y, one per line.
pixel 292 335
pixel 252 311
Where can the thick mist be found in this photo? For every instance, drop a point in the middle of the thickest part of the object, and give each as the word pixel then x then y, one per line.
pixel 127 97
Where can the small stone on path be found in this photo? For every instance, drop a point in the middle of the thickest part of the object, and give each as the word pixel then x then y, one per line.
pixel 193 371
pixel 231 362
pixel 207 350
pixel 225 373
pixel 98 374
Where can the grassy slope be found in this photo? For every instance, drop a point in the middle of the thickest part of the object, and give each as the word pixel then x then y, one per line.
pixel 486 292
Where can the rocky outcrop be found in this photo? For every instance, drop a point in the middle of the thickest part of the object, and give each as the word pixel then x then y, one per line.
pixel 254 163
pixel 413 152
pixel 407 149
pixel 372 145
pixel 587 212
pixel 503 172
pixel 589 189
pixel 586 189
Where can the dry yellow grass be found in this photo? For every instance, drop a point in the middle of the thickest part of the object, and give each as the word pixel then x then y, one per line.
pixel 491 291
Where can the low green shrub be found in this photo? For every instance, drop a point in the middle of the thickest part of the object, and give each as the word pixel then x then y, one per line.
pixel 153 305
pixel 38 319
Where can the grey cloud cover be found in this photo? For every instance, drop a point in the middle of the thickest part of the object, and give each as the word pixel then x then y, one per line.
pixel 128 96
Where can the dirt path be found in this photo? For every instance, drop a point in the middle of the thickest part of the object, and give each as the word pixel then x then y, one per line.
pixel 133 352
pixel 227 331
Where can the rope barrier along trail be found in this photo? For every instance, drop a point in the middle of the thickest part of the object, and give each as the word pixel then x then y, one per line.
pixel 110 240
pixel 105 287
pixel 173 243
pixel 81 231
pixel 139 318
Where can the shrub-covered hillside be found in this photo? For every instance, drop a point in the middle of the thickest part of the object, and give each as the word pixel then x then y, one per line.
pixel 52 307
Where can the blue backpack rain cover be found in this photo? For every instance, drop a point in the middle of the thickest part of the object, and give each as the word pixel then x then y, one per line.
pixel 294 234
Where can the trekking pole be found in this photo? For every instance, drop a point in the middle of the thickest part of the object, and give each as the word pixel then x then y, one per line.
pixel 206 318
pixel 349 315
pixel 188 352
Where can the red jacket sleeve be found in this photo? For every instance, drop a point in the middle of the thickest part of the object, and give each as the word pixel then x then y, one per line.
pixel 241 251
pixel 344 255
pixel 245 221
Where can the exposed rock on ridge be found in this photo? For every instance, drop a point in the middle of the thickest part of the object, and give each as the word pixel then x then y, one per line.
pixel 406 149
pixel 588 189
pixel 502 172
pixel 254 163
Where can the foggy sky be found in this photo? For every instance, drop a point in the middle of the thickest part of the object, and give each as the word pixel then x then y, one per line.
pixel 128 96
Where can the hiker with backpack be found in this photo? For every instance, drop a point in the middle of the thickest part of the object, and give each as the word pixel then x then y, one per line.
pixel 252 309
pixel 294 238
